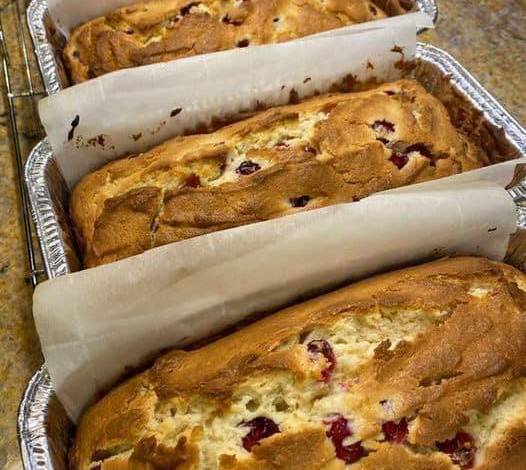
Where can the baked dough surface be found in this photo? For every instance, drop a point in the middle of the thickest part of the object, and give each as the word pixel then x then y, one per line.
pixel 419 369
pixel 330 149
pixel 163 30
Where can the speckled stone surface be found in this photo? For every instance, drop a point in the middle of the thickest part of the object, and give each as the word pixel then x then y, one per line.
pixel 19 349
pixel 487 36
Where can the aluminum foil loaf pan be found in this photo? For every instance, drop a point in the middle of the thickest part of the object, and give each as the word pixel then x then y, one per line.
pixel 44 429
pixel 49 42
pixel 472 109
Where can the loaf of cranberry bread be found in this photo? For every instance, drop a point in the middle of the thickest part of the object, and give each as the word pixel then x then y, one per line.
pixel 162 30
pixel 419 369
pixel 331 149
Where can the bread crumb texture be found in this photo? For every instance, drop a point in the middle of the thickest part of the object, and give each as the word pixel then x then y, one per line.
pixel 163 30
pixel 331 149
pixel 419 369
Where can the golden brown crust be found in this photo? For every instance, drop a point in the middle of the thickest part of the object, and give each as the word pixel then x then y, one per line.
pixel 396 457
pixel 456 374
pixel 327 150
pixel 306 449
pixel 163 30
pixel 508 452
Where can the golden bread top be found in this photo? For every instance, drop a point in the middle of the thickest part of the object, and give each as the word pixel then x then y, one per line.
pixel 162 30
pixel 327 150
pixel 422 368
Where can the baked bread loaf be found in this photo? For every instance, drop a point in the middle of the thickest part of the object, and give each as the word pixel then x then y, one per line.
pixel 418 369
pixel 331 149
pixel 163 30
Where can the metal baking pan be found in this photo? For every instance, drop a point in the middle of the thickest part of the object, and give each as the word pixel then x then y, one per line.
pixel 48 42
pixel 44 429
pixel 471 107
pixel 45 432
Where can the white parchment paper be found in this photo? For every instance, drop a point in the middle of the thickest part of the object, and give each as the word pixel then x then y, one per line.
pixel 132 110
pixel 94 323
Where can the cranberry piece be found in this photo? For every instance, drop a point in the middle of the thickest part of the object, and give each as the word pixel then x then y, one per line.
pixel 399 159
pixel 383 125
pixel 301 201
pixel 420 148
pixel 247 168
pixel 395 432
pixel 389 92
pixel 461 449
pixel 322 346
pixel 381 139
pixel 243 43
pixel 193 181
pixel 310 149
pixel 338 431
pixel 260 428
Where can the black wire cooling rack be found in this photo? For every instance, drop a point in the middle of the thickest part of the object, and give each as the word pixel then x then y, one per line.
pixel 22 87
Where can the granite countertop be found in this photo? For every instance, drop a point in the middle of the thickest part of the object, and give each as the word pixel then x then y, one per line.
pixel 487 36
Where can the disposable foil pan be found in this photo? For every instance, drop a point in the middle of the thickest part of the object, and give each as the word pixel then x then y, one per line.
pixel 471 107
pixel 49 42
pixel 44 429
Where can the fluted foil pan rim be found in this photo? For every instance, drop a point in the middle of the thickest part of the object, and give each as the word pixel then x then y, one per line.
pixel 36 16
pixel 43 210
pixel 48 57
pixel 43 447
pixel 44 431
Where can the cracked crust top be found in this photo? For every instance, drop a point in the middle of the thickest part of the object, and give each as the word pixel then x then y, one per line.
pixel 327 150
pixel 422 368
pixel 163 30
